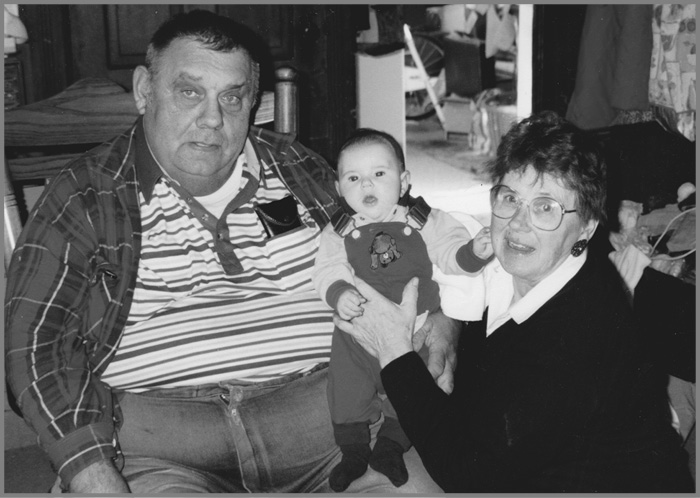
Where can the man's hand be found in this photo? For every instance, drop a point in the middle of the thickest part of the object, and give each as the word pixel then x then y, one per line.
pixel 100 477
pixel 441 335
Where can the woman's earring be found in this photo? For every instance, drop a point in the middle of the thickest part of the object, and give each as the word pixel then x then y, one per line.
pixel 579 247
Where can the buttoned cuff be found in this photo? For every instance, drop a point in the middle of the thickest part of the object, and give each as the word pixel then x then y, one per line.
pixel 469 261
pixel 335 290
pixel 80 449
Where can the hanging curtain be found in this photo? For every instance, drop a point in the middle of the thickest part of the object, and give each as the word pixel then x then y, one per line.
pixel 500 29
pixel 672 81
pixel 613 65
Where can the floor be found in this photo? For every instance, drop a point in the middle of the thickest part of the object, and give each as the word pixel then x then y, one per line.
pixel 459 186
pixel 445 171
pixel 27 470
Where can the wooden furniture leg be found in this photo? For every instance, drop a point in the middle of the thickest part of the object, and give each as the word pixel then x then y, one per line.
pixel 13 224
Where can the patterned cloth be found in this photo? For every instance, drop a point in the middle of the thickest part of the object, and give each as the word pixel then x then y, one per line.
pixel 672 79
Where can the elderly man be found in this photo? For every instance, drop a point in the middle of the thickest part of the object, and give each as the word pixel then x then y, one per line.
pixel 163 333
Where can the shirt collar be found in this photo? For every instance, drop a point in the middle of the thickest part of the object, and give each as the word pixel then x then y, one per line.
pixel 252 161
pixel 502 291
pixel 149 172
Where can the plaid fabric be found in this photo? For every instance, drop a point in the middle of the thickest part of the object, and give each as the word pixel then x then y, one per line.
pixel 71 280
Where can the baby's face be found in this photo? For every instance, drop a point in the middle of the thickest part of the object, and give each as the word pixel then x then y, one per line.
pixel 370 179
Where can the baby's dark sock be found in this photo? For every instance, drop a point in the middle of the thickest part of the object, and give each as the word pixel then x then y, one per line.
pixel 387 458
pixel 352 466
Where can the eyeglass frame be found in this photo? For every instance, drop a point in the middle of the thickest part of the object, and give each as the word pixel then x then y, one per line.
pixel 564 211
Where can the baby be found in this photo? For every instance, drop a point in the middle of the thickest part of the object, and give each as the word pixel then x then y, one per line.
pixel 384 236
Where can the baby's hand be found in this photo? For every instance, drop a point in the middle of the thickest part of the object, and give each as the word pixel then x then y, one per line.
pixel 350 304
pixel 482 244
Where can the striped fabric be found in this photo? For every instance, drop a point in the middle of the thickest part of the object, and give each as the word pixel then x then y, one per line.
pixel 191 323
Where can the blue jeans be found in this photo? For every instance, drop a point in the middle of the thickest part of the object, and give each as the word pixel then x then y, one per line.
pixel 274 437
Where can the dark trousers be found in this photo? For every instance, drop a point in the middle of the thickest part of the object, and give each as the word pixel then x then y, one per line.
pixel 356 396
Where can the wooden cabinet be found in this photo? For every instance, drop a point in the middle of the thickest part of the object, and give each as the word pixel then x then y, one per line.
pixel 14 83
pixel 45 57
pixel 128 29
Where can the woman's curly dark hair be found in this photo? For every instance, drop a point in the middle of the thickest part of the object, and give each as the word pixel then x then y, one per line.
pixel 554 146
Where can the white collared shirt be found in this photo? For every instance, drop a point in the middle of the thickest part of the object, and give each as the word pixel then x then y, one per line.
pixel 500 292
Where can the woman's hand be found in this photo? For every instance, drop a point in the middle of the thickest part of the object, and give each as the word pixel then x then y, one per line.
pixel 441 335
pixel 385 329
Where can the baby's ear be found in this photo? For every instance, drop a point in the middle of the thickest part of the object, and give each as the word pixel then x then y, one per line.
pixel 405 182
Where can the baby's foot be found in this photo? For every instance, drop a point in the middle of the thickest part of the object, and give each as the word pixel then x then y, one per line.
pixel 351 467
pixel 387 458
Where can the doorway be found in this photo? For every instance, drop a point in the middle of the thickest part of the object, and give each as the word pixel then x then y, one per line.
pixel 447 168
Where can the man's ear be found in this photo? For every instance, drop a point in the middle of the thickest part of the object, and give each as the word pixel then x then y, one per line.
pixel 142 88
pixel 405 182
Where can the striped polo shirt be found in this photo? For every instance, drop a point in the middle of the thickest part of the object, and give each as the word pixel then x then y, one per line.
pixel 214 304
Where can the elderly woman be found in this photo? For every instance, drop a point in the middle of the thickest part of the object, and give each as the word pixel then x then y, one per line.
pixel 550 394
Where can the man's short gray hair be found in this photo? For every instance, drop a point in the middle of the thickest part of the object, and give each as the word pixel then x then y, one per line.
pixel 215 32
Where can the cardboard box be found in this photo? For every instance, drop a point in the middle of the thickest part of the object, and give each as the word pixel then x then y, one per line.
pixel 459 115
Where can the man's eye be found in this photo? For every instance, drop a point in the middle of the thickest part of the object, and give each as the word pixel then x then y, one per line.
pixel 231 99
pixel 510 199
pixel 190 94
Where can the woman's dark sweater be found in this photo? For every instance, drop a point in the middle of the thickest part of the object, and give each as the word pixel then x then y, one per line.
pixel 560 403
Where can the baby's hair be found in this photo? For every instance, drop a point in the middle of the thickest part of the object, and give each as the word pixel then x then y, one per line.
pixel 363 136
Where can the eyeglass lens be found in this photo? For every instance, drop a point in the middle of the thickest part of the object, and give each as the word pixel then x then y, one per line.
pixel 545 212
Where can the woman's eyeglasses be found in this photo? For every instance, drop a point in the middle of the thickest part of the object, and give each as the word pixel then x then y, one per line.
pixel 545 213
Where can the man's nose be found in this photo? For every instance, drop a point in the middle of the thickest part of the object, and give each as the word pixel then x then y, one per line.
pixel 211 115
